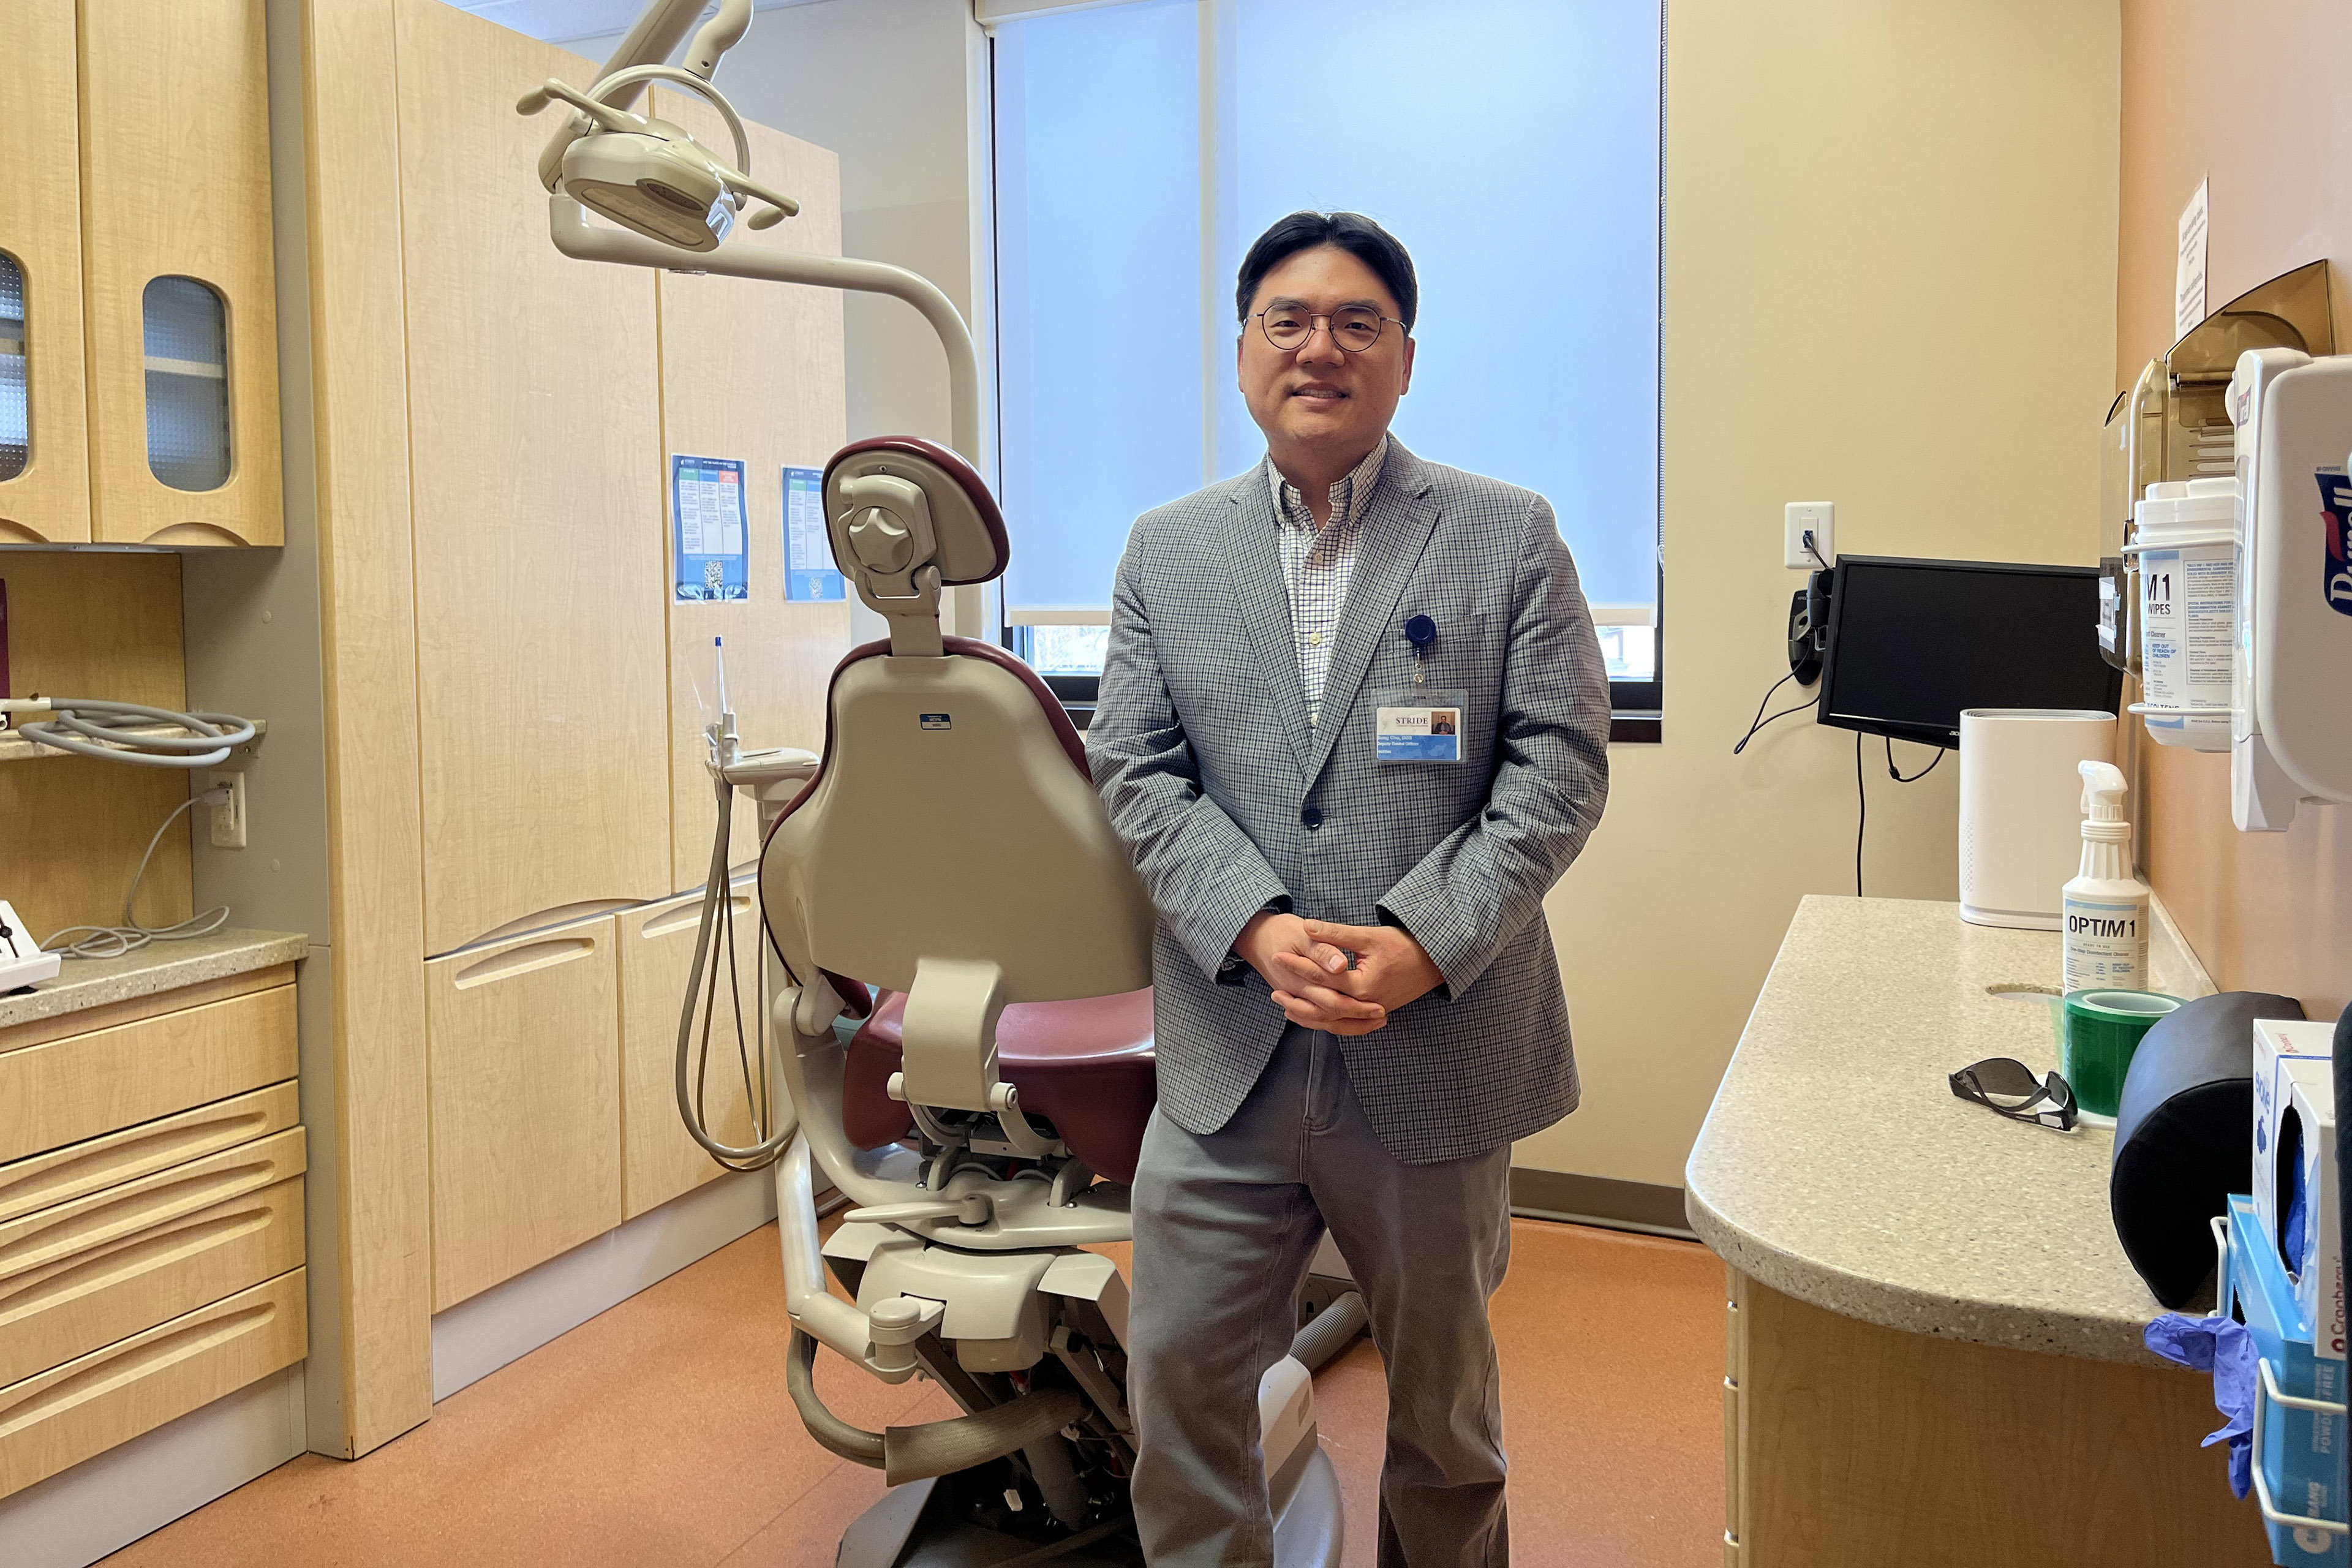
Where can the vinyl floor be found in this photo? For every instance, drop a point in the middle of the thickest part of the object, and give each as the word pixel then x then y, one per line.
pixel 660 1434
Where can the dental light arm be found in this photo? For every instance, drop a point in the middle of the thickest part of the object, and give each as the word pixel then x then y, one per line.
pixel 650 42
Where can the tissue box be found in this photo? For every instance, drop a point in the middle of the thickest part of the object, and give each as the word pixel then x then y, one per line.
pixel 2299 1448
pixel 2278 1044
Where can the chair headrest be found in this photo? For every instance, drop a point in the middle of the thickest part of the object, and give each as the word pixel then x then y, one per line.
pixel 894 504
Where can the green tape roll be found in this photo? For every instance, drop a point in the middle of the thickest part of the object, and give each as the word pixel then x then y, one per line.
pixel 2104 1028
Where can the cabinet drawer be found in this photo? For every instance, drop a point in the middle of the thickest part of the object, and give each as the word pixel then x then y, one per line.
pixel 86 1273
pixel 77 1169
pixel 523 1047
pixel 86 1085
pixel 62 1416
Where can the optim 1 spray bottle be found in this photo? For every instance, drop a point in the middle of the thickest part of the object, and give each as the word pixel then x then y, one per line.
pixel 2105 913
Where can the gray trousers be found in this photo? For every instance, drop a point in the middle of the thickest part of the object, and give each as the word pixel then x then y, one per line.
pixel 1225 1229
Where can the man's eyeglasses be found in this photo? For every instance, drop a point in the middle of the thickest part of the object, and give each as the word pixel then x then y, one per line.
pixel 2008 1086
pixel 1354 328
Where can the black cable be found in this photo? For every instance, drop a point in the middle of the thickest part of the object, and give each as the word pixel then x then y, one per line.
pixel 1901 777
pixel 1862 796
pixel 1760 721
pixel 1861 813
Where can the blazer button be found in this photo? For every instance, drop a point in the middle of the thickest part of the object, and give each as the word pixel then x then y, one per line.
pixel 1312 816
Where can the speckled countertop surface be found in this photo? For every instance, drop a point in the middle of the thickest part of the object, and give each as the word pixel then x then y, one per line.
pixel 1837 1166
pixel 87 983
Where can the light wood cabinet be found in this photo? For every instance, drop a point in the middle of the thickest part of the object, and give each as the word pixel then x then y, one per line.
pixel 59 1417
pixel 1850 1444
pixel 61 1176
pixel 752 370
pixel 44 456
pixel 178 279
pixel 534 418
pixel 524 1052
pixel 84 1274
pixel 89 1085
pixel 137 298
pixel 660 1159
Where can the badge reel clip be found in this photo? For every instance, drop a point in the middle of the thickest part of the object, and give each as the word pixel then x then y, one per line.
pixel 1419 723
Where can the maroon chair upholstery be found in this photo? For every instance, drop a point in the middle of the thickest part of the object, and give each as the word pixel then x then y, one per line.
pixel 1086 1067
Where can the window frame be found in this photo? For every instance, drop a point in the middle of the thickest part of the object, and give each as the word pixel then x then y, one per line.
pixel 1636 708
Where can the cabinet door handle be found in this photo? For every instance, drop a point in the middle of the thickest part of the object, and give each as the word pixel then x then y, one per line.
pixel 522 960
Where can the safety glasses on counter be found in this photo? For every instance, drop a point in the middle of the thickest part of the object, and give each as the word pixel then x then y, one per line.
pixel 2007 1084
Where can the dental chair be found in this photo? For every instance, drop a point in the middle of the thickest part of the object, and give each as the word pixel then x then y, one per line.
pixel 986 1107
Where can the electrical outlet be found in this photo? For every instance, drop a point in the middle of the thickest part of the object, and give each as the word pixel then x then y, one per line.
pixel 229 821
pixel 1818 518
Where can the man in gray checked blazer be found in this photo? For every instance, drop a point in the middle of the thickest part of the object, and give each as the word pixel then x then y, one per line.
pixel 1356 1003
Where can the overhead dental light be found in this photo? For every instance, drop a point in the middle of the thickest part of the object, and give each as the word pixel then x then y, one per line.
pixel 651 176
pixel 673 202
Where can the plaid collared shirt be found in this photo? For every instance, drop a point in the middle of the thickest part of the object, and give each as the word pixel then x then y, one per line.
pixel 1316 564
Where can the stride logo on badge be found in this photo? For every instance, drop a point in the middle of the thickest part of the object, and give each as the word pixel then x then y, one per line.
pixel 935 721
pixel 2335 552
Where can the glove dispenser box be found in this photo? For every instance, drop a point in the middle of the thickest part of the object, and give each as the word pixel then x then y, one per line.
pixel 2299 1418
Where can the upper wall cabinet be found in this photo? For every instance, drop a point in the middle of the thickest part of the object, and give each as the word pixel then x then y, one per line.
pixel 535 430
pixel 43 449
pixel 177 279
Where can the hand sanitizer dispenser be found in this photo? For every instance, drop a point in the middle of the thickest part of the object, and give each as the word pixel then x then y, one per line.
pixel 2290 709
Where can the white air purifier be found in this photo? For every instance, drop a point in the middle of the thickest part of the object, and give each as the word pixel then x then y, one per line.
pixel 2021 809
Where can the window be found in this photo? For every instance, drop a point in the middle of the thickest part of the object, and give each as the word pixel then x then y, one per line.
pixel 1511 144
pixel 16 426
pixel 185 328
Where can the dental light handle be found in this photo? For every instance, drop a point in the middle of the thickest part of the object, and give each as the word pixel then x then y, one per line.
pixel 597 104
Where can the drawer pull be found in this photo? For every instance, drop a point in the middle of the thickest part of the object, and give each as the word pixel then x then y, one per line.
pixel 688 916
pixel 157 1152
pixel 142 1361
pixel 105 1222
pixel 114 1262
pixel 524 959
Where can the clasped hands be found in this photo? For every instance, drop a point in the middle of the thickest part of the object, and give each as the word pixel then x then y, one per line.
pixel 1307 963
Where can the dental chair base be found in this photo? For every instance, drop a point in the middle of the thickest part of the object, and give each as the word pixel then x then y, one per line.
pixel 965 1519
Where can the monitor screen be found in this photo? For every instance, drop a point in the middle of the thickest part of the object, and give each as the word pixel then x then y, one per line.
pixel 1913 642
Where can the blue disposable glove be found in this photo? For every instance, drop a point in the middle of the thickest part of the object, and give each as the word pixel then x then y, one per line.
pixel 2221 1346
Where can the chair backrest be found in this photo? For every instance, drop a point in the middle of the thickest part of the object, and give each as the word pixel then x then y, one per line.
pixel 953 817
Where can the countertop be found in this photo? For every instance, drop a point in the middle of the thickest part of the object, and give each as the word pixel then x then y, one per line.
pixel 1837 1166
pixel 86 982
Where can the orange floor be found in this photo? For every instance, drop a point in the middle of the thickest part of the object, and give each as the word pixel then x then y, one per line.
pixel 660 1434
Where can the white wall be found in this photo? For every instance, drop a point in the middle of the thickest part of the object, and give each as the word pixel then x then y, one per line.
pixel 1890 270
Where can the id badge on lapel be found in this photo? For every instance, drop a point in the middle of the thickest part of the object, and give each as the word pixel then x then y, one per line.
pixel 1419 724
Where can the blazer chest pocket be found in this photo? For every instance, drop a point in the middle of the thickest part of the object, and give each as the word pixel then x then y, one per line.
pixel 1461 652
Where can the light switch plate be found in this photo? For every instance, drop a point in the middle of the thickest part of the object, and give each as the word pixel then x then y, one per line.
pixel 1818 517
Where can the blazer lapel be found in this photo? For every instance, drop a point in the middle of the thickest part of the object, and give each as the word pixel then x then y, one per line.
pixel 1255 566
pixel 1397 527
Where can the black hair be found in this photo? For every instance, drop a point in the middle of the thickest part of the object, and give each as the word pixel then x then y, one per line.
pixel 1354 233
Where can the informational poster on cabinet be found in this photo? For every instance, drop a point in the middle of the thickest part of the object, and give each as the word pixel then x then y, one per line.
pixel 810 576
pixel 711 531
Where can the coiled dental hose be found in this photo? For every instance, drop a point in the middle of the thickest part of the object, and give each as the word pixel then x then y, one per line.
pixel 92 728
pixel 717 915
